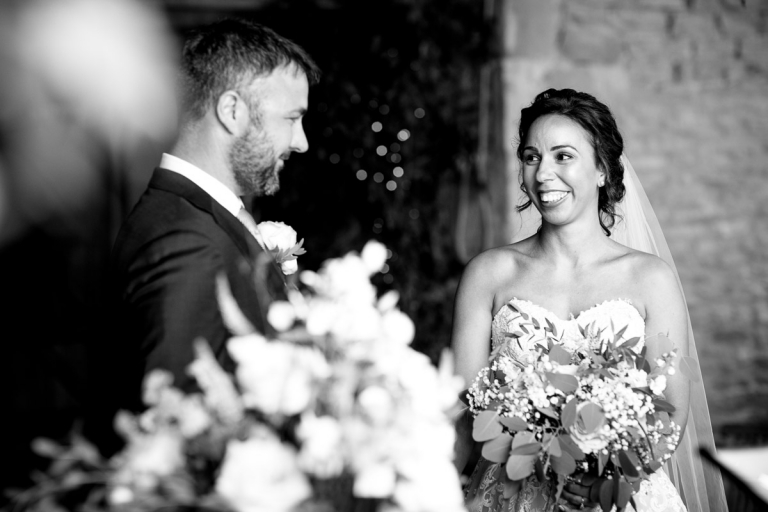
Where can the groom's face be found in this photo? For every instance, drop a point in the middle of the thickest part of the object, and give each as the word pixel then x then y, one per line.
pixel 277 105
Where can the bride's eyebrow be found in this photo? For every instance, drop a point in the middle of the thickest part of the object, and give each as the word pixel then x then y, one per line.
pixel 563 146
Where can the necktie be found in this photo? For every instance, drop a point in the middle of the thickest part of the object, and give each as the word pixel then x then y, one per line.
pixel 250 224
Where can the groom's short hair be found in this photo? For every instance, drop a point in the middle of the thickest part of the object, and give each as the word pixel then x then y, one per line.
pixel 228 55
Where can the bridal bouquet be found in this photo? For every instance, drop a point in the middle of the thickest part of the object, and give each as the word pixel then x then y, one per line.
pixel 591 405
pixel 336 412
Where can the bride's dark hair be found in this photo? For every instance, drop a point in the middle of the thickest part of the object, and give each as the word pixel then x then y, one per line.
pixel 608 144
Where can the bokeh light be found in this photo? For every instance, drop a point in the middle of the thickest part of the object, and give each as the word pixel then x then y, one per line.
pixel 334 158
pixel 403 135
pixel 378 177
pixel 398 172
pixel 381 150
pixel 419 113
pixel 391 185
pixel 361 174
pixel 376 126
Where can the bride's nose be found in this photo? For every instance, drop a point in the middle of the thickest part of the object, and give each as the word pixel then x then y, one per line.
pixel 545 171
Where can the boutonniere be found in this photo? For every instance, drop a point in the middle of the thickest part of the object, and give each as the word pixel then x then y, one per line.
pixel 280 240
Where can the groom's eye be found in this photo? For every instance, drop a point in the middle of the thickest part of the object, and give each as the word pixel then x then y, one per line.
pixel 563 156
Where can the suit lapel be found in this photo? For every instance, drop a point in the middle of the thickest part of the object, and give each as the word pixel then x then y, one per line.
pixel 175 183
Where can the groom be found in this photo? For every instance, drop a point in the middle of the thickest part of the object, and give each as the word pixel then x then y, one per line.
pixel 244 92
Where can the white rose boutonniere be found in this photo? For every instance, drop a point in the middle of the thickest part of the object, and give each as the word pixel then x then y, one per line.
pixel 280 239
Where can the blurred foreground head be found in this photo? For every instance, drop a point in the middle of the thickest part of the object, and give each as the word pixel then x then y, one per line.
pixel 85 82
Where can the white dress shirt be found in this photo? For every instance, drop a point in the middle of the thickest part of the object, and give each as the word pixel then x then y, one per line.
pixel 216 189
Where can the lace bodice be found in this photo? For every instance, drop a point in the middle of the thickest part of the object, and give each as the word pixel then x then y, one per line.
pixel 530 320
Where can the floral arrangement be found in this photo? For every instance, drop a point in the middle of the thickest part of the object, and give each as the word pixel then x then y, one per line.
pixel 279 239
pixel 337 412
pixel 593 405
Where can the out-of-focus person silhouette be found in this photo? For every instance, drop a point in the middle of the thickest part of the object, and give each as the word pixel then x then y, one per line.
pixel 244 91
pixel 85 85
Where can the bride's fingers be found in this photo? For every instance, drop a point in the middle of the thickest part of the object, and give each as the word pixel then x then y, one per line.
pixel 575 500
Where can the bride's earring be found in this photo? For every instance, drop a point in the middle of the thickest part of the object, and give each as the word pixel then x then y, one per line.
pixel 601 182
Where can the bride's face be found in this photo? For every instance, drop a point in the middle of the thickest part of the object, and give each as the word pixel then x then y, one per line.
pixel 560 172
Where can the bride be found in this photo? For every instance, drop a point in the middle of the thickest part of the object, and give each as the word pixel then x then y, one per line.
pixel 573 272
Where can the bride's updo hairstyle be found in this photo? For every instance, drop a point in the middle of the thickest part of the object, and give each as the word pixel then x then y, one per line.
pixel 597 120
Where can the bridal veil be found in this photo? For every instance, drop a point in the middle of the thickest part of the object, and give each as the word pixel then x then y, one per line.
pixel 700 485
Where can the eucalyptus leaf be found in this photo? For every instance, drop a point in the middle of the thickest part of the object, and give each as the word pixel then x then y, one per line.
pixel 554 448
pixel 564 464
pixel 498 449
pixel 513 423
pixel 662 405
pixel 606 495
pixel 562 381
pixel 628 465
pixel 486 426
pixel 527 449
pixel 568 415
pixel 547 411
pixel 568 445
pixel 622 493
pixel 520 466
pixel 559 355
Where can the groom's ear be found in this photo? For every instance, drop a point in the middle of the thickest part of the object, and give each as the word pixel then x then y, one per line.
pixel 232 112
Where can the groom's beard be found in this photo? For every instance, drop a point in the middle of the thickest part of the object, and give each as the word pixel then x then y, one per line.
pixel 255 167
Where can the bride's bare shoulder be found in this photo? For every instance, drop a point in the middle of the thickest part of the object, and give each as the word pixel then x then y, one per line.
pixel 494 264
pixel 648 269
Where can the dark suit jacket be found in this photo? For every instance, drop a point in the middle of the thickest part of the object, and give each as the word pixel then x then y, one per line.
pixel 163 286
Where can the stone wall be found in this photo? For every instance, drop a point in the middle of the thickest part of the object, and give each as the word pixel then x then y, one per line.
pixel 688 82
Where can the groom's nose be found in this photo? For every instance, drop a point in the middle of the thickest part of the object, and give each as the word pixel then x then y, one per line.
pixel 299 141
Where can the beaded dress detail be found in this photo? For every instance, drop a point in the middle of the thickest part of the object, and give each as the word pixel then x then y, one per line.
pixel 485 492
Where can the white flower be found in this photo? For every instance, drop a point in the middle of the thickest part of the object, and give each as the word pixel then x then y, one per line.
pixel 357 322
pixel 280 239
pixel 589 442
pixel 636 378
pixel 437 488
pixel 374 256
pixel 377 404
pixel 155 383
pixel 388 301
pixel 345 279
pixel 193 417
pixel 658 384
pixel 148 458
pixel 281 315
pixel 276 235
pixel 261 475
pixel 321 446
pixel 398 328
pixel 276 377
pixel 374 481
pixel 218 389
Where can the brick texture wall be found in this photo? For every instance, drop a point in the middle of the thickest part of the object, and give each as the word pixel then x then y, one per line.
pixel 688 82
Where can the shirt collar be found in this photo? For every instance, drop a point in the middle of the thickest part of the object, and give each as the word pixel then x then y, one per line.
pixel 213 187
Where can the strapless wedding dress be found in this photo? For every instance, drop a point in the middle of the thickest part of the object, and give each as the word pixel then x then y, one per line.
pixel 484 491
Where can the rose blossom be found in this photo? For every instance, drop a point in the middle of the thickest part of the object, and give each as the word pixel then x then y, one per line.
pixel 276 237
pixel 261 474
pixel 589 442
